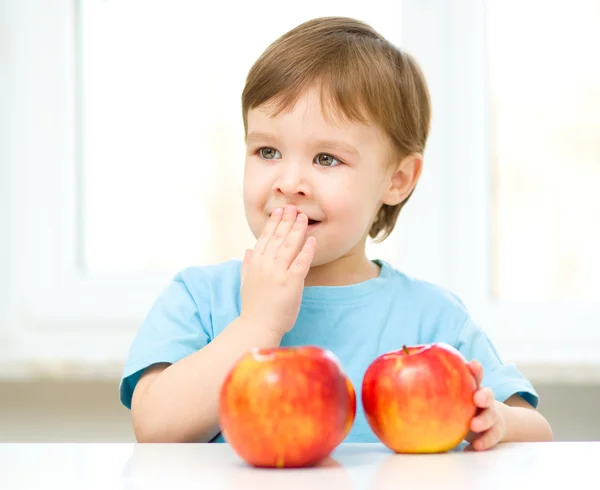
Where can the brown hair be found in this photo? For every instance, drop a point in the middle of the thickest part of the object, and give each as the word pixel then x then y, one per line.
pixel 360 74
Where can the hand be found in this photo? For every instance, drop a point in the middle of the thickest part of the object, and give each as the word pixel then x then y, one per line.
pixel 273 272
pixel 488 427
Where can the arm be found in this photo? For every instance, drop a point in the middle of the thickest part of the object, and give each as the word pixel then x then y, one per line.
pixel 515 420
pixel 179 402
pixel 523 422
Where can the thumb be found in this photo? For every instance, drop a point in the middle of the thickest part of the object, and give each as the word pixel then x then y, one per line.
pixel 245 262
pixel 477 371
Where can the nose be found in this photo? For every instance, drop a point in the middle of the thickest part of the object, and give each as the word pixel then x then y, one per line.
pixel 293 180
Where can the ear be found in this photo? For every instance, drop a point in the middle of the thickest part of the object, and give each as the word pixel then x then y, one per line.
pixel 403 179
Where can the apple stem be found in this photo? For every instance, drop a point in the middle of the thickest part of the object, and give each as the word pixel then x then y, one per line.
pixel 405 349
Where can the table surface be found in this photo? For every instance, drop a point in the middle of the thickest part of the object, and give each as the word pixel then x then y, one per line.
pixel 350 466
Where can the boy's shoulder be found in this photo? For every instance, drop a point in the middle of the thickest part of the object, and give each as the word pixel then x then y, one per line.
pixel 221 271
pixel 204 281
pixel 427 300
pixel 423 292
pixel 434 311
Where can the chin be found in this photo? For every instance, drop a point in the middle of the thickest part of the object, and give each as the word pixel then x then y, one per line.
pixel 256 225
pixel 325 257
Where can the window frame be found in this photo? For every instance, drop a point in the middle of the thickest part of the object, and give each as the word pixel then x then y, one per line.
pixel 52 311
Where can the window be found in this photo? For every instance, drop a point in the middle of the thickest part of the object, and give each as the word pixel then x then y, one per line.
pixel 127 150
pixel 162 138
pixel 545 108
pixel 134 108
pixel 516 96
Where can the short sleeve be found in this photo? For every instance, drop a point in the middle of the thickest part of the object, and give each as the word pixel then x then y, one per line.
pixel 503 378
pixel 172 330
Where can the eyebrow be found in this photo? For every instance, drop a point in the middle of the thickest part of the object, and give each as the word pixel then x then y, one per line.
pixel 260 136
pixel 321 143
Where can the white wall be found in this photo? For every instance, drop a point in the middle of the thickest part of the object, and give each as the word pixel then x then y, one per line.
pixel 83 411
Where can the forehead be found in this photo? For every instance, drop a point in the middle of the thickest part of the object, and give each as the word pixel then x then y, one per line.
pixel 313 113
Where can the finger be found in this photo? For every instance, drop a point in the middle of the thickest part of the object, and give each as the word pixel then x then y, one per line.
pixel 301 264
pixel 281 232
pixel 268 231
pixel 477 371
pixel 487 440
pixel 484 421
pixel 245 262
pixel 483 398
pixel 294 241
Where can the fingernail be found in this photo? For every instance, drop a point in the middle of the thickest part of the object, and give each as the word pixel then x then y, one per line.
pixel 277 211
pixel 289 209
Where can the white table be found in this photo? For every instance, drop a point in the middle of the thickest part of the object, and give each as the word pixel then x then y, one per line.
pixel 352 466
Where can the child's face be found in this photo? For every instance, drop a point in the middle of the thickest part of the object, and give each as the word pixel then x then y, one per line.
pixel 332 170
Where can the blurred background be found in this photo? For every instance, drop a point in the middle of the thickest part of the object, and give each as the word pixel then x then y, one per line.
pixel 121 157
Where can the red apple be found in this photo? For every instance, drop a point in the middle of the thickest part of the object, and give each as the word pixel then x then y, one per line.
pixel 419 399
pixel 287 406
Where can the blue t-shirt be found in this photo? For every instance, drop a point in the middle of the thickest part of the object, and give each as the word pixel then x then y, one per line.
pixel 357 323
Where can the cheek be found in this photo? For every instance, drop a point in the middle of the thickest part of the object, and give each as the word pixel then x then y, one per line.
pixel 352 204
pixel 253 186
pixel 255 194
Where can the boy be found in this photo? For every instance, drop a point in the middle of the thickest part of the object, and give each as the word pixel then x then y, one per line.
pixel 336 121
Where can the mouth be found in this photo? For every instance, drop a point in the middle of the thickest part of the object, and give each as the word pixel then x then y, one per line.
pixel 311 222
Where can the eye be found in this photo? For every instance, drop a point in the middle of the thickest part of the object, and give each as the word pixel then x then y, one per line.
pixel 326 160
pixel 269 153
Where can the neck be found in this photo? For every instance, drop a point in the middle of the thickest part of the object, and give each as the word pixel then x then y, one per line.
pixel 351 268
